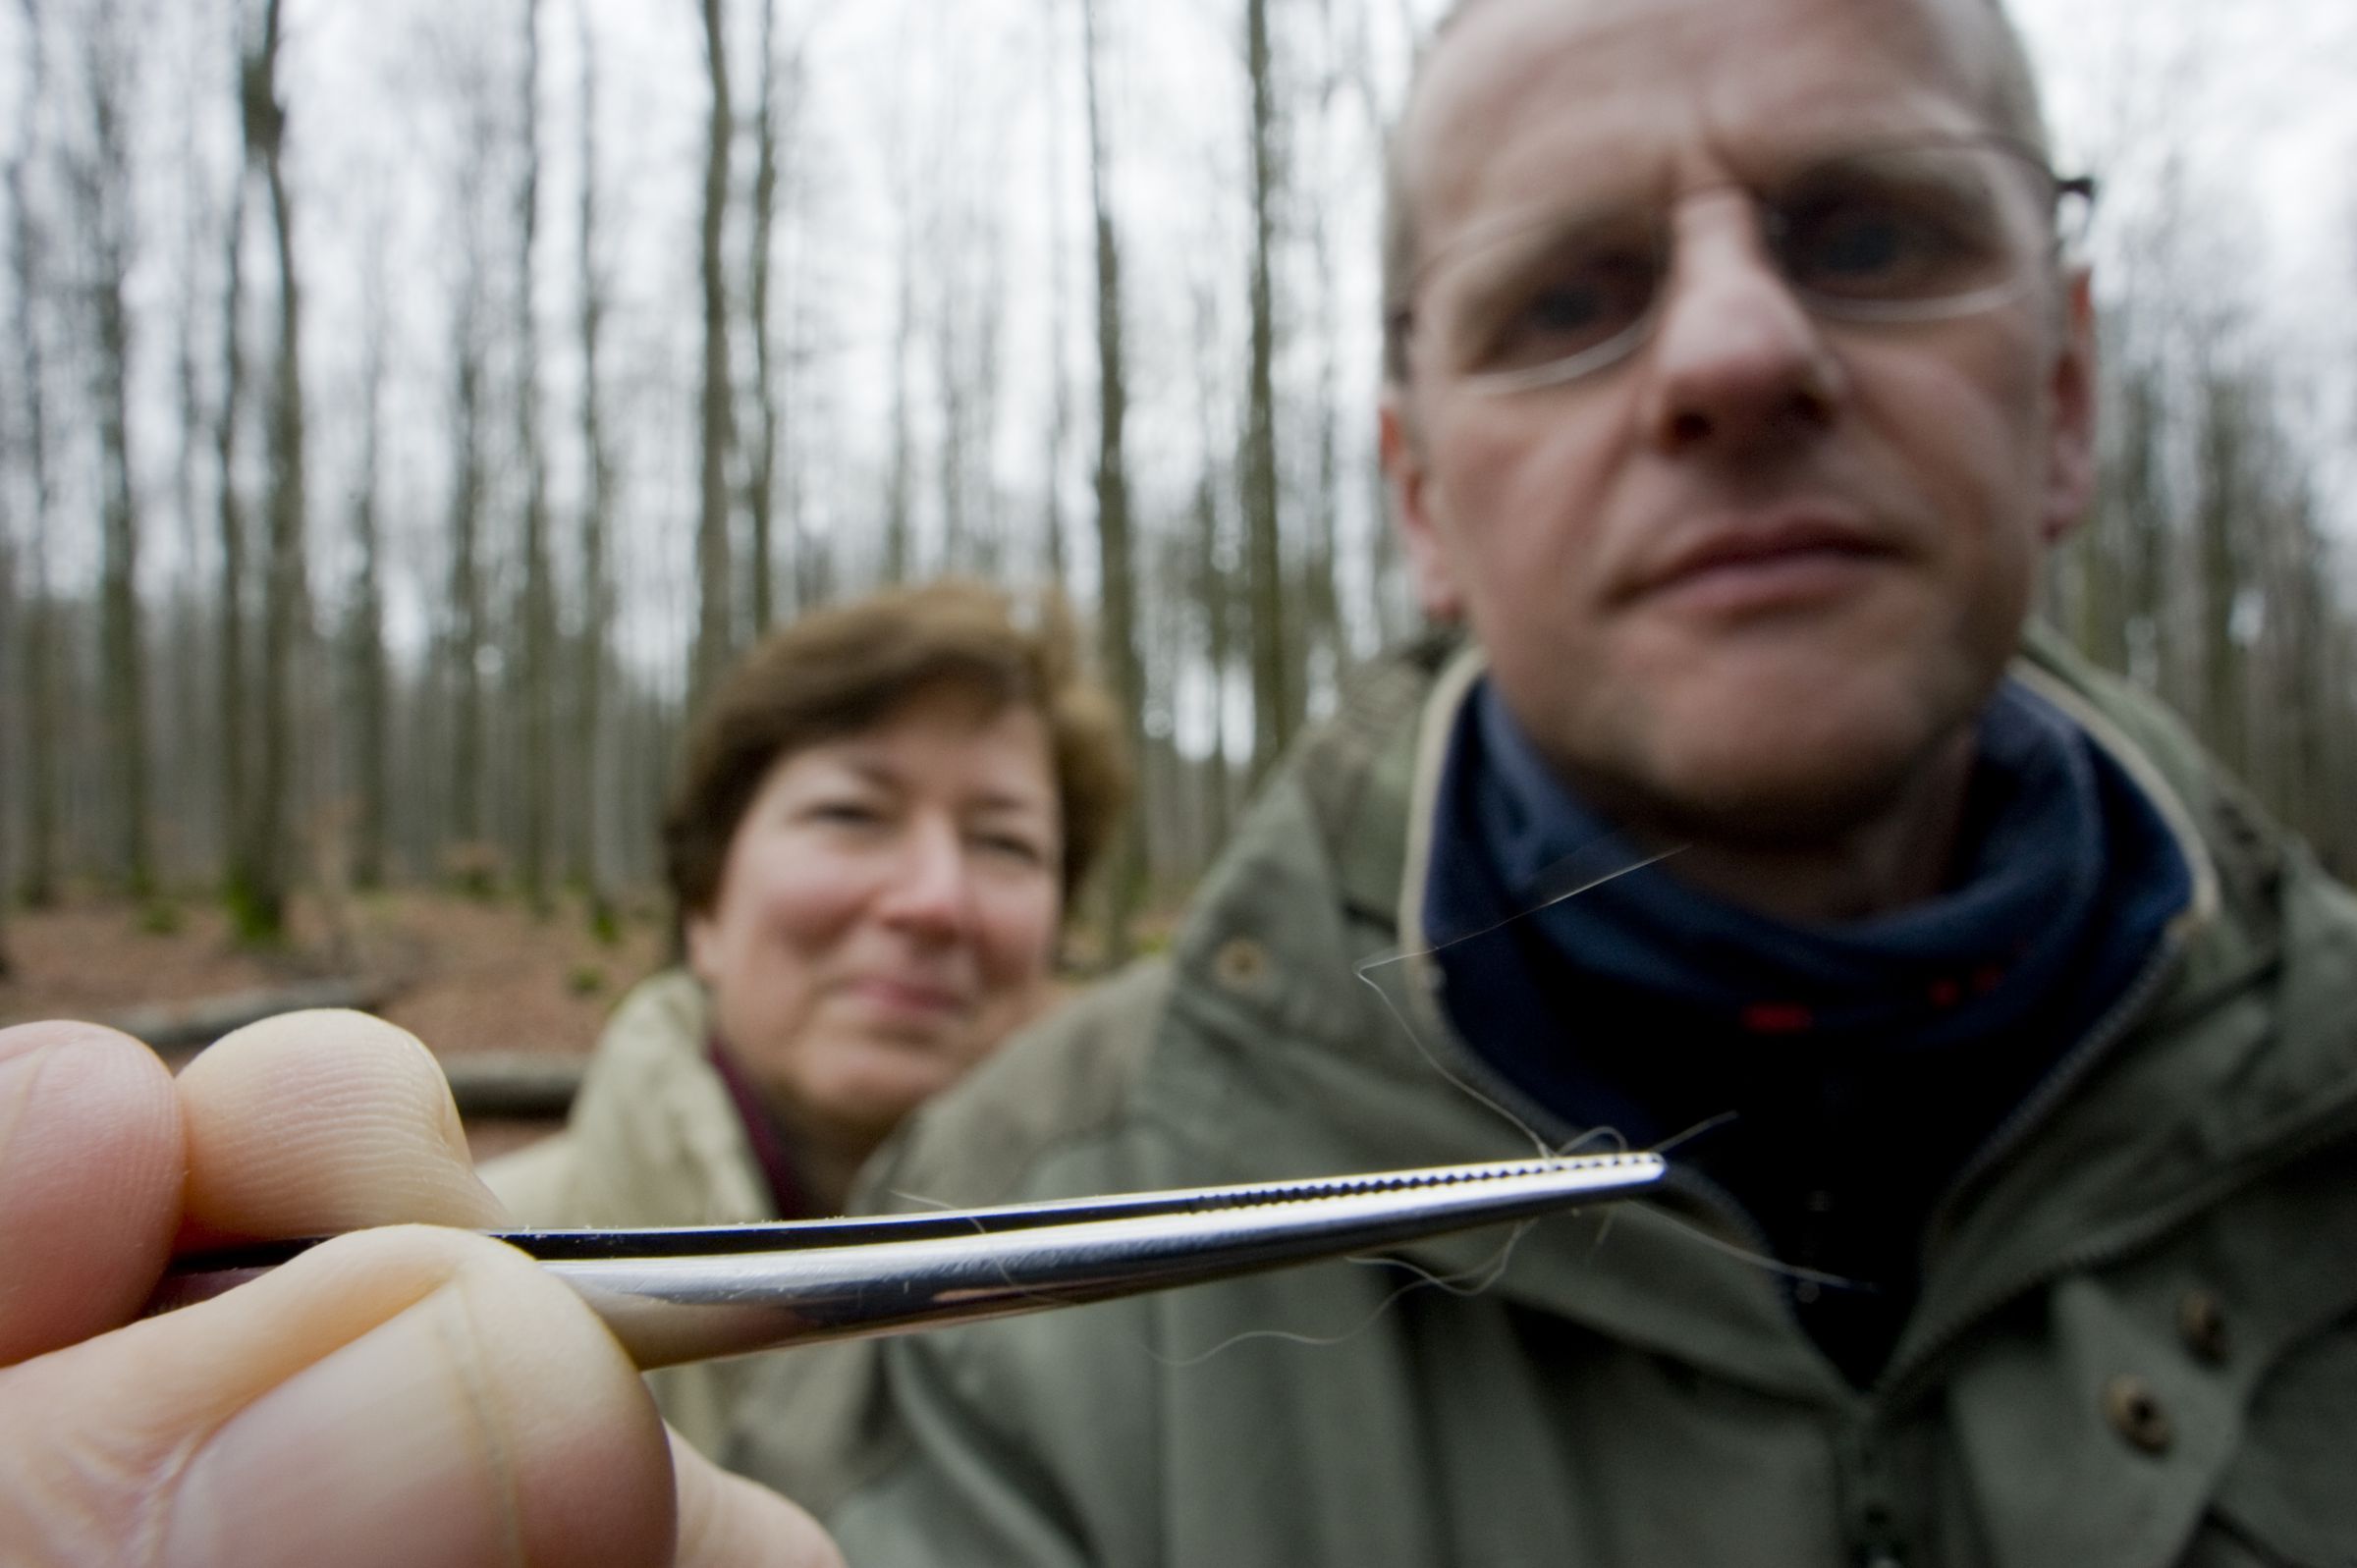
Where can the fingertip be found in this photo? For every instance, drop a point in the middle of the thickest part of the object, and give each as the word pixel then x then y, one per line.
pixel 91 1160
pixel 16 1040
pixel 325 1121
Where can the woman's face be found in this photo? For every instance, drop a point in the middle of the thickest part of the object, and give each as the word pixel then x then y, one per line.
pixel 886 911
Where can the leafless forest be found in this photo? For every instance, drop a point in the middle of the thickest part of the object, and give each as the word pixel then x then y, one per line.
pixel 408 406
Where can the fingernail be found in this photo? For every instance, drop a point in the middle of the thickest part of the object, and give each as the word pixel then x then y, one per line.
pixel 381 1453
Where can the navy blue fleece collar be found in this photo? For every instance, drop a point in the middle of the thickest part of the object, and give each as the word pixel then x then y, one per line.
pixel 2070 878
pixel 1974 959
pixel 1864 1062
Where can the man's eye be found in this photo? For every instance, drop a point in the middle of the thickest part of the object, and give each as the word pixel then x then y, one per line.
pixel 845 813
pixel 1567 307
pixel 1866 243
pixel 1574 307
pixel 1885 250
pixel 1863 244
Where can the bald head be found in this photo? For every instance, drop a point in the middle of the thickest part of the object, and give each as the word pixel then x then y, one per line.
pixel 1976 39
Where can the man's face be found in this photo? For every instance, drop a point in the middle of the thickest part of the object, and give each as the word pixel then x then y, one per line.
pixel 1748 580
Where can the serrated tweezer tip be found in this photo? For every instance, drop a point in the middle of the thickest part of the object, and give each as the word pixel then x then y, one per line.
pixel 678 1295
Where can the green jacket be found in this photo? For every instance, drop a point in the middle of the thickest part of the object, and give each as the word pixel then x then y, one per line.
pixel 652 1139
pixel 2136 1342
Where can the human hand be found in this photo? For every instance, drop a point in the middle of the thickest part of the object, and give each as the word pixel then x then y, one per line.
pixel 400 1397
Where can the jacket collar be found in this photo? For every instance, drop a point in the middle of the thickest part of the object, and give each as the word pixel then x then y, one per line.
pixel 2229 1057
pixel 660 1141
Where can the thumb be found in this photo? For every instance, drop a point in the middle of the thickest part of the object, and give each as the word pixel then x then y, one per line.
pixel 401 1396
pixel 393 1396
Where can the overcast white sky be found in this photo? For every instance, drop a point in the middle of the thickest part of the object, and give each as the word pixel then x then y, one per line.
pixel 2253 99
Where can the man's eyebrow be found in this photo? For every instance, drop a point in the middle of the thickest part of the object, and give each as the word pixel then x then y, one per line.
pixel 1542 224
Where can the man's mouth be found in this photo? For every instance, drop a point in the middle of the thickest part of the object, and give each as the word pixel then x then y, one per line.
pixel 1764 564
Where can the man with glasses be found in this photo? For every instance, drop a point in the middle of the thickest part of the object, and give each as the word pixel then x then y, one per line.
pixel 1739 376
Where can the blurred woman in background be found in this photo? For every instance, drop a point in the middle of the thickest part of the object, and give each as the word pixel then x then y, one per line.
pixel 881 816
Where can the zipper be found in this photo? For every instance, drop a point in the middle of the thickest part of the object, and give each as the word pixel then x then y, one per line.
pixel 2097 1043
pixel 2103 1034
pixel 2335 1123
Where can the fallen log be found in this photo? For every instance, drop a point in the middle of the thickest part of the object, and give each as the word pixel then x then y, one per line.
pixel 521 1085
pixel 178 1028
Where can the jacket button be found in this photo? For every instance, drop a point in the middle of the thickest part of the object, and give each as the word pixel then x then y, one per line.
pixel 2135 1413
pixel 1239 963
pixel 2202 1322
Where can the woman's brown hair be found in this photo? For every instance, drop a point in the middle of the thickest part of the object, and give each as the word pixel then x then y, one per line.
pixel 844 668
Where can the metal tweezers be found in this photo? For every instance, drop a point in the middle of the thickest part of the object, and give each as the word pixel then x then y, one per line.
pixel 672 1296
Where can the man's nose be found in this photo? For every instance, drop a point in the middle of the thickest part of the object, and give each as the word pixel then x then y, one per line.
pixel 929 885
pixel 1736 360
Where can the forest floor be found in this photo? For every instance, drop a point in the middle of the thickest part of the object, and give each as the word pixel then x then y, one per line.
pixel 469 976
pixel 466 975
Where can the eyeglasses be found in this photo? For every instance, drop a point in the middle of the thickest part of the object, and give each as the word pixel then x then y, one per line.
pixel 1887 235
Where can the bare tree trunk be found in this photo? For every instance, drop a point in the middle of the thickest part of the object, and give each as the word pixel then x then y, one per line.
pixel 2289 700
pixel 2336 729
pixel 1389 612
pixel 9 727
pixel 466 635
pixel 2227 494
pixel 37 630
pixel 761 485
pixel 900 483
pixel 1060 416
pixel 1275 701
pixel 1323 652
pixel 366 677
pixel 950 232
pixel 44 727
pixel 713 623
pixel 191 742
pixel 986 551
pixel 808 560
pixel 108 200
pixel 1116 595
pixel 462 844
pixel 536 679
pixel 949 326
pixel 597 589
pixel 2117 554
pixel 2145 552
pixel 285 602
pixel 240 828
pixel 1213 591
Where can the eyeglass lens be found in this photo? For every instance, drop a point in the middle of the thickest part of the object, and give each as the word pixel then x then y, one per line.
pixel 1903 233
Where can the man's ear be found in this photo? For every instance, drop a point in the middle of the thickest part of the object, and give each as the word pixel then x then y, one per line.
pixel 2072 394
pixel 1428 567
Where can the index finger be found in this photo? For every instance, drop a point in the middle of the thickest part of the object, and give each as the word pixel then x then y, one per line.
pixel 312 1123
